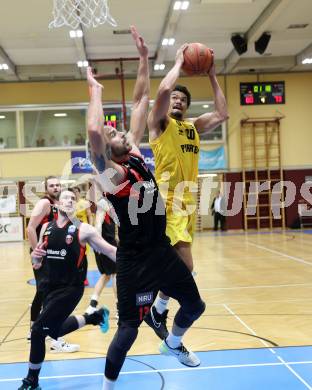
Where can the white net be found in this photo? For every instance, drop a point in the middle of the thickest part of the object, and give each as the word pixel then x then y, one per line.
pixel 73 13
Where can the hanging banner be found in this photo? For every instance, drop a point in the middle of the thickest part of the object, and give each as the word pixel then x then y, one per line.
pixel 8 205
pixel 80 162
pixel 11 229
pixel 148 156
pixel 211 160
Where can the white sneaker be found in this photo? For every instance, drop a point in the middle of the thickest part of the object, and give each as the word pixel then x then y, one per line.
pixel 61 346
pixel 91 309
pixel 188 358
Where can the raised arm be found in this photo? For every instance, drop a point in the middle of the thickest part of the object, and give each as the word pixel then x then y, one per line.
pixel 159 112
pixel 141 91
pixel 207 122
pixel 101 153
pixel 89 235
pixel 41 209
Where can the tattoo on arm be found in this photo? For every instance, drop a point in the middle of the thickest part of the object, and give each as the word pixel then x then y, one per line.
pixel 99 161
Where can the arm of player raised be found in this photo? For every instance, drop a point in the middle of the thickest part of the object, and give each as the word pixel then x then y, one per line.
pixel 207 122
pixel 99 139
pixel 160 108
pixel 41 209
pixel 141 91
pixel 39 251
pixel 89 235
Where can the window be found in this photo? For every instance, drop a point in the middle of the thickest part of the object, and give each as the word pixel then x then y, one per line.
pixel 8 130
pixel 52 128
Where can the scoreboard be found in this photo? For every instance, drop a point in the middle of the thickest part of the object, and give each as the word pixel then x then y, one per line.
pixel 272 92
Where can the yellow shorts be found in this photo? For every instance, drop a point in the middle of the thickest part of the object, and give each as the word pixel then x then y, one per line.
pixel 180 226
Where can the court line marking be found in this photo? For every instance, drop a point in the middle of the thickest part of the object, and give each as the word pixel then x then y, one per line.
pixel 285 364
pixel 298 259
pixel 272 364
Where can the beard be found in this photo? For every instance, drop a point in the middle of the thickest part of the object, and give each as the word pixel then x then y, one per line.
pixel 178 115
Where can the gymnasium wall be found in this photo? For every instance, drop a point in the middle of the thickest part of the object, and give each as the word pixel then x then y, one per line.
pixel 296 134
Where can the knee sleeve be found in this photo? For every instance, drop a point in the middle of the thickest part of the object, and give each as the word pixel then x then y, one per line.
pixel 37 350
pixel 118 349
pixel 188 313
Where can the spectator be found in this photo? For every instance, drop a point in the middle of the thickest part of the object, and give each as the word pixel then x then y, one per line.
pixel 40 141
pixel 218 209
pixel 2 144
pixel 66 141
pixel 79 140
pixel 52 141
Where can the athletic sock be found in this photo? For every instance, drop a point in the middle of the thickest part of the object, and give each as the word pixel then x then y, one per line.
pixel 33 375
pixel 161 304
pixel 108 384
pixel 94 300
pixel 174 341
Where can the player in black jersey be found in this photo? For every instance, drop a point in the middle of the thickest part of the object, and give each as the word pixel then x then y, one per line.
pixel 146 262
pixel 60 252
pixel 44 211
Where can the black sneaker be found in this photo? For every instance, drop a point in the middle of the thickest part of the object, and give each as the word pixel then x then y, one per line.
pixel 99 317
pixel 28 385
pixel 158 322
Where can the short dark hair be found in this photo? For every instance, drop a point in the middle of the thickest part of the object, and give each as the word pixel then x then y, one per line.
pixel 46 181
pixel 186 92
pixel 75 188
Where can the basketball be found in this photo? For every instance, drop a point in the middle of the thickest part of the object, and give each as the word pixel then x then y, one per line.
pixel 198 59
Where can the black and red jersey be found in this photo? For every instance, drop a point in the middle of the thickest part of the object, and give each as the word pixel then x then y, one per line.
pixel 65 262
pixel 49 217
pixel 139 207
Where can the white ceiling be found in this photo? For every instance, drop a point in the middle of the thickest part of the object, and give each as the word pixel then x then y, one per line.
pixel 35 52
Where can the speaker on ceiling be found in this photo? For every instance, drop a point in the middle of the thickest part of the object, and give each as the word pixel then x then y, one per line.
pixel 239 43
pixel 262 43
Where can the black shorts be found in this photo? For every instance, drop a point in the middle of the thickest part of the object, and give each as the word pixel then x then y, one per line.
pixel 58 305
pixel 105 264
pixel 141 274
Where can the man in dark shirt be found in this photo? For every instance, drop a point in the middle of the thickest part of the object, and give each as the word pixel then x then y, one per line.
pixel 146 262
pixel 61 254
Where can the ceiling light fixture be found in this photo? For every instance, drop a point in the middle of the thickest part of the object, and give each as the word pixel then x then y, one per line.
pixel 60 114
pixel 168 41
pixel 75 33
pixel 181 5
pixel 2 116
pixel 205 105
pixel 307 61
pixel 159 66
pixel 82 64
pixel 4 66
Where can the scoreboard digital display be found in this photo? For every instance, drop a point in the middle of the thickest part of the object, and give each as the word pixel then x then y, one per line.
pixel 110 120
pixel 271 92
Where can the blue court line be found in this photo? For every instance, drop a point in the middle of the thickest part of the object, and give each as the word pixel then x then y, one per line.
pixel 247 369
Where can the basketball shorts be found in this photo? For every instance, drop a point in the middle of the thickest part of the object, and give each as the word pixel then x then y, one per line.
pixel 180 223
pixel 142 273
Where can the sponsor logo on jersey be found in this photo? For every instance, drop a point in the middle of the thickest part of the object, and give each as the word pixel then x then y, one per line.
pixel 71 229
pixel 144 298
pixel 189 148
pixel 69 239
pixel 63 252
pixel 54 254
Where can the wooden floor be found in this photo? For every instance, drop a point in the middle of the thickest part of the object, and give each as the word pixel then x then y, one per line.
pixel 257 287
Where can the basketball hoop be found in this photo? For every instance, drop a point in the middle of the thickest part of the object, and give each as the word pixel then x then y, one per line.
pixel 73 13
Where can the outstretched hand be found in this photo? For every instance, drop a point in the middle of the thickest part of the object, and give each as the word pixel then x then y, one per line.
pixel 212 71
pixel 180 54
pixel 139 41
pixel 91 79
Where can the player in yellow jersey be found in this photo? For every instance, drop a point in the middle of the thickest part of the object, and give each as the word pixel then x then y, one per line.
pixel 175 144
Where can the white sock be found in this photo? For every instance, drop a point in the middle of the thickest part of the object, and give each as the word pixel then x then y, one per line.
pixel 161 304
pixel 94 297
pixel 108 384
pixel 174 341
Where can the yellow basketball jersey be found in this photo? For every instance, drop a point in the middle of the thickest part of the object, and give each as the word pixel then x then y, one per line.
pixel 176 151
pixel 81 212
